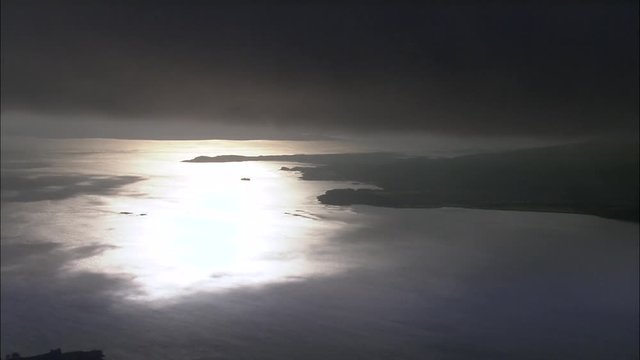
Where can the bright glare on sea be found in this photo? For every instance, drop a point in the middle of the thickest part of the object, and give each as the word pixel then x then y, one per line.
pixel 188 226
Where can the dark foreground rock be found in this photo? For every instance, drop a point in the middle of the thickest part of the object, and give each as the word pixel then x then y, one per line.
pixel 57 354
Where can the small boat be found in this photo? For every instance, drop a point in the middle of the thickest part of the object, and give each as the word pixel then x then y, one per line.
pixel 245 179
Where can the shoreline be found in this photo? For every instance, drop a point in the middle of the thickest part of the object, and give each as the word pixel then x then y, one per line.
pixel 632 219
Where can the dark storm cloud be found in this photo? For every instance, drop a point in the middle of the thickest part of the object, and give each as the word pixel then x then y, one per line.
pixel 487 68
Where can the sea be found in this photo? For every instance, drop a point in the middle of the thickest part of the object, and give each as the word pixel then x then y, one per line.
pixel 118 245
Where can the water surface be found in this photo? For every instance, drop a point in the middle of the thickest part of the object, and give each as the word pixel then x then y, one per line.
pixel 117 245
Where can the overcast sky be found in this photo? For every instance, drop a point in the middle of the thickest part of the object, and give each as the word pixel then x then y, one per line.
pixel 498 68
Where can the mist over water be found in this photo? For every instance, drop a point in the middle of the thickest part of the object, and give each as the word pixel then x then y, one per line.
pixel 118 245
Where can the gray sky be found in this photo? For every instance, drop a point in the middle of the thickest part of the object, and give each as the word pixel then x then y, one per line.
pixel 172 69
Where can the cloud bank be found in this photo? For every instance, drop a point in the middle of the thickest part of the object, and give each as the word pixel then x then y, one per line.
pixel 489 68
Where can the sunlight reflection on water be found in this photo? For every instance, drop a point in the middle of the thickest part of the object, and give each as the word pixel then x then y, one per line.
pixel 195 226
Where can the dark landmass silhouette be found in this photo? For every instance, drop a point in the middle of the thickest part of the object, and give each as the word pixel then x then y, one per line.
pixel 302 158
pixel 597 178
pixel 57 354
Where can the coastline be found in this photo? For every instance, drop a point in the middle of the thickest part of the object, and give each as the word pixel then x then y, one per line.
pixel 336 197
pixel 588 178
